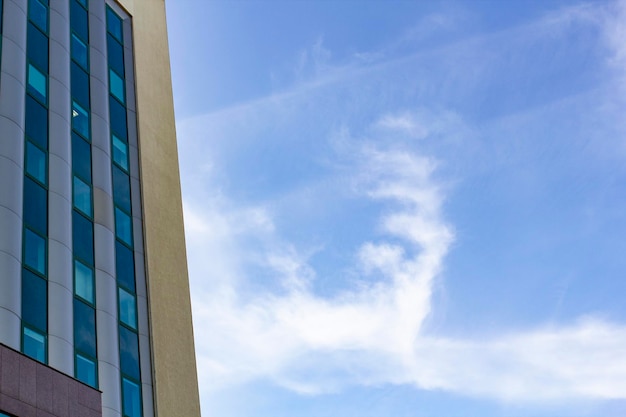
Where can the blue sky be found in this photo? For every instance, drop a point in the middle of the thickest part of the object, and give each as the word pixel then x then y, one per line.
pixel 404 208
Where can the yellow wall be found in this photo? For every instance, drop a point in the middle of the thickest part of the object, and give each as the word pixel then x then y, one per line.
pixel 175 377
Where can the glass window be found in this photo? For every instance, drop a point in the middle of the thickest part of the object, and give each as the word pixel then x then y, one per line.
pixel 132 398
pixel 37 83
pixel 120 153
pixel 81 157
pixel 80 85
pixel 114 25
pixel 37 47
pixel 82 232
pixel 34 344
pixel 36 122
pixel 34 300
pixel 82 196
pixel 83 281
pixel 80 120
pixel 84 328
pixel 123 227
pixel 128 309
pixel 35 206
pixel 129 352
pixel 115 55
pixel 86 370
pixel 78 20
pixel 121 189
pixel 34 251
pixel 38 14
pixel 35 162
pixel 125 266
pixel 79 52
pixel 116 86
pixel 118 119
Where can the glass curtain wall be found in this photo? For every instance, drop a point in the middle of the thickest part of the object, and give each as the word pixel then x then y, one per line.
pixel 34 340
pixel 124 247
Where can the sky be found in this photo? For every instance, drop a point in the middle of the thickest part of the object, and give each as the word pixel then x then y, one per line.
pixel 403 208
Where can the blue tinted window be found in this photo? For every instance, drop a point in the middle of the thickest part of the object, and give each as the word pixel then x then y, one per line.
pixel 80 120
pixel 36 122
pixel 37 47
pixel 86 370
pixel 81 157
pixel 34 251
pixel 115 55
pixel 79 51
pixel 38 14
pixel 80 85
pixel 84 328
pixel 35 206
pixel 34 344
pixel 127 308
pixel 129 352
pixel 83 281
pixel 82 232
pixel 37 83
pixel 116 86
pixel 118 119
pixel 35 162
pixel 34 300
pixel 120 153
pixel 125 266
pixel 132 398
pixel 82 196
pixel 123 227
pixel 78 20
pixel 114 24
pixel 121 188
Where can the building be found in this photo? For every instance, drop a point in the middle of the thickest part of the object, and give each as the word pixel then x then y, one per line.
pixel 95 315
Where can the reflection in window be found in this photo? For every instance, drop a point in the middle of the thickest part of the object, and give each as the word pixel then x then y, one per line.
pixel 34 344
pixel 129 352
pixel 83 281
pixel 120 153
pixel 116 86
pixel 37 83
pixel 123 228
pixel 82 196
pixel 86 370
pixel 38 14
pixel 84 328
pixel 131 395
pixel 128 310
pixel 79 51
pixel 34 251
pixel 35 206
pixel 80 120
pixel 114 24
pixel 35 162
pixel 121 189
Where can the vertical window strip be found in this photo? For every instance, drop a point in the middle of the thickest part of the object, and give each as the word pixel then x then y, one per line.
pixel 85 351
pixel 34 337
pixel 125 262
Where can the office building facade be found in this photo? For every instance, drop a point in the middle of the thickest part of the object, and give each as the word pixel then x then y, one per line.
pixel 95 315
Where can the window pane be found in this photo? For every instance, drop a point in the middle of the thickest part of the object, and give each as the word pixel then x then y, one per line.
pixel 80 120
pixel 38 14
pixel 36 122
pixel 121 189
pixel 118 119
pixel 120 152
pixel 37 83
pixel 35 162
pixel 127 307
pixel 82 232
pixel 79 51
pixel 83 281
pixel 78 20
pixel 125 266
pixel 37 47
pixel 35 251
pixel 85 370
pixel 116 86
pixel 132 398
pixel 84 328
pixel 114 24
pixel 34 301
pixel 82 196
pixel 35 206
pixel 80 85
pixel 34 344
pixel 115 54
pixel 123 227
pixel 81 157
pixel 129 352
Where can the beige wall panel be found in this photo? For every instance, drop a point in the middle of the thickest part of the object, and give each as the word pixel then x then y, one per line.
pixel 175 377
